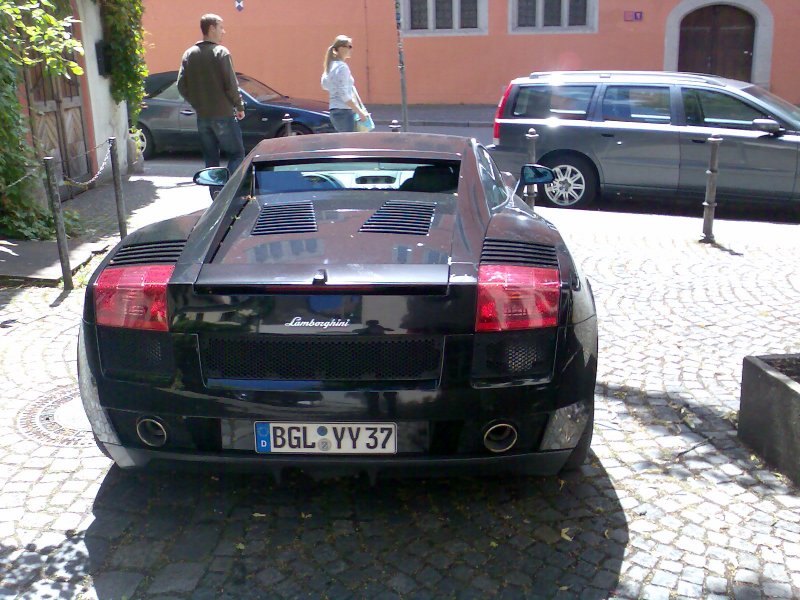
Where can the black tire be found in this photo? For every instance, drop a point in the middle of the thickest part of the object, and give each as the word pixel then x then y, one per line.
pixel 581 451
pixel 149 150
pixel 575 185
pixel 297 129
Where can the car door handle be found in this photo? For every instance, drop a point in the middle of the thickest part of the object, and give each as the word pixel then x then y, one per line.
pixel 607 134
pixel 698 141
pixel 187 112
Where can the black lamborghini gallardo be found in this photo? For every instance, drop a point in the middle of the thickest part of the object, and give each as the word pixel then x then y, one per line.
pixel 367 301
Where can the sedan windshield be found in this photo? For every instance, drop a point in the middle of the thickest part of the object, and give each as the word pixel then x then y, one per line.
pixel 257 90
pixel 788 111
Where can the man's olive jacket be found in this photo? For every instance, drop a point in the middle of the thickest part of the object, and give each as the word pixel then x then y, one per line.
pixel 208 81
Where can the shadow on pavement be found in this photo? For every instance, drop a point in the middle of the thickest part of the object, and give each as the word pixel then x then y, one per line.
pixel 241 536
pixel 699 432
pixel 97 207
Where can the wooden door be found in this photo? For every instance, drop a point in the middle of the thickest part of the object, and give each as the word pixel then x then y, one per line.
pixel 718 40
pixel 58 126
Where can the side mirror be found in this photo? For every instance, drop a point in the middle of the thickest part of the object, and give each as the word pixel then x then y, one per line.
pixel 770 126
pixel 213 176
pixel 533 174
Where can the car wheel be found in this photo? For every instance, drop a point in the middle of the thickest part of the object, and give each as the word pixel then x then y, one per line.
pixel 149 149
pixel 297 129
pixel 581 451
pixel 575 185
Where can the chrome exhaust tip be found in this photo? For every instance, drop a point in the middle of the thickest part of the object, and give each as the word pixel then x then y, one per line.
pixel 500 437
pixel 151 431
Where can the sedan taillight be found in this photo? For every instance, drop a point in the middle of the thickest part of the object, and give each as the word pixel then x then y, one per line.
pixel 133 297
pixel 513 297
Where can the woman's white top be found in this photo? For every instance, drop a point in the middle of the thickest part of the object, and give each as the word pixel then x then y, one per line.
pixel 339 83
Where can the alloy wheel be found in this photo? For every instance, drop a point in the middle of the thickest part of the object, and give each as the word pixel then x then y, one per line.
pixel 568 187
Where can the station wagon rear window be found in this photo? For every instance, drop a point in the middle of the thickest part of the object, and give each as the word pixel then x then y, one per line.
pixel 638 104
pixel 553 101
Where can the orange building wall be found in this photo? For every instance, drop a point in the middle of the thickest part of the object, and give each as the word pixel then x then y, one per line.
pixel 282 43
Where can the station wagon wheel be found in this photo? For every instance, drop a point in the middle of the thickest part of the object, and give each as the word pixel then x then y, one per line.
pixel 575 184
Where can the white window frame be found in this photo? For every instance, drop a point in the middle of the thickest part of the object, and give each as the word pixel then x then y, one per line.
pixel 481 29
pixel 539 28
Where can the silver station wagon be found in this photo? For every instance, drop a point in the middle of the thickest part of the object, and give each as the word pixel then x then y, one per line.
pixel 643 132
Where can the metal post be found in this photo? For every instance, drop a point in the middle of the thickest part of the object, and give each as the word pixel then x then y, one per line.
pixel 121 217
pixel 287 121
pixel 709 204
pixel 531 136
pixel 58 219
pixel 394 126
pixel 401 64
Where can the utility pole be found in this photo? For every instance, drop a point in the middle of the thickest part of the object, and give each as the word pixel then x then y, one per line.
pixel 402 64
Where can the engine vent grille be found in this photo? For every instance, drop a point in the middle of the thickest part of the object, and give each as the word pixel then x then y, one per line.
pixel 405 218
pixel 518 253
pixel 318 358
pixel 155 252
pixel 285 218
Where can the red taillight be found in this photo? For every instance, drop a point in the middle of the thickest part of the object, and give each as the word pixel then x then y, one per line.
pixel 499 115
pixel 512 297
pixel 133 297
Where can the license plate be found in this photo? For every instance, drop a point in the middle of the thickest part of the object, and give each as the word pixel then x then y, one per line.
pixel 325 438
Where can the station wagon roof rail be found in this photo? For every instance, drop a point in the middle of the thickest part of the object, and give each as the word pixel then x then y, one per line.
pixel 698 77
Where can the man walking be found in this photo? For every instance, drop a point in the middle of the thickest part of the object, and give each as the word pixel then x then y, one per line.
pixel 208 81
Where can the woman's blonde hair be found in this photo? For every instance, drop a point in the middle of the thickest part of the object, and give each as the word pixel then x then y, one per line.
pixel 330 53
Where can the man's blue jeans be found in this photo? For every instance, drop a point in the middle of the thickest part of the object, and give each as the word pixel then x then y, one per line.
pixel 221 135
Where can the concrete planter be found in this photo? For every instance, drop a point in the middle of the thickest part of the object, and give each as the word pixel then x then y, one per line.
pixel 769 411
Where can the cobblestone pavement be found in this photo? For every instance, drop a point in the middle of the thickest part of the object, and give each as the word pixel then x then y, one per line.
pixel 671 505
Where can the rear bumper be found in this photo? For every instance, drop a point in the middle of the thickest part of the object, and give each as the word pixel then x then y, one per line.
pixel 538 463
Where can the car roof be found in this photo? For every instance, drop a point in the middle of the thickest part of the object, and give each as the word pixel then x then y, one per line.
pixel 363 145
pixel 629 77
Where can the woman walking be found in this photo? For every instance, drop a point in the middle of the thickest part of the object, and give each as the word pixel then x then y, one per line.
pixel 338 81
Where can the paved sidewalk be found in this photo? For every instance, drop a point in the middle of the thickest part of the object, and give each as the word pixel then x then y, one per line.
pixel 157 194
pixel 670 506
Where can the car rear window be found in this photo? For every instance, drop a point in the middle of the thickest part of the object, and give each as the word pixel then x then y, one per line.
pixel 638 104
pixel 553 101
pixel 433 176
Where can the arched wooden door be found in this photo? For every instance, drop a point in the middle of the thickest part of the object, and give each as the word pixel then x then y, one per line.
pixel 718 40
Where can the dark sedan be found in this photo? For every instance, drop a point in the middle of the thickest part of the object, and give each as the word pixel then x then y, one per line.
pixel 371 302
pixel 168 122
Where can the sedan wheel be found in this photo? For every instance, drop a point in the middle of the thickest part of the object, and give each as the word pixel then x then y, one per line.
pixel 148 148
pixel 297 129
pixel 575 184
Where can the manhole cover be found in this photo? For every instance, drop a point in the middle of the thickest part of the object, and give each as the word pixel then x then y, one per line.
pixel 57 419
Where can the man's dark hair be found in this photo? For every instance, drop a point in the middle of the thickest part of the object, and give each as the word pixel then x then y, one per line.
pixel 206 21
